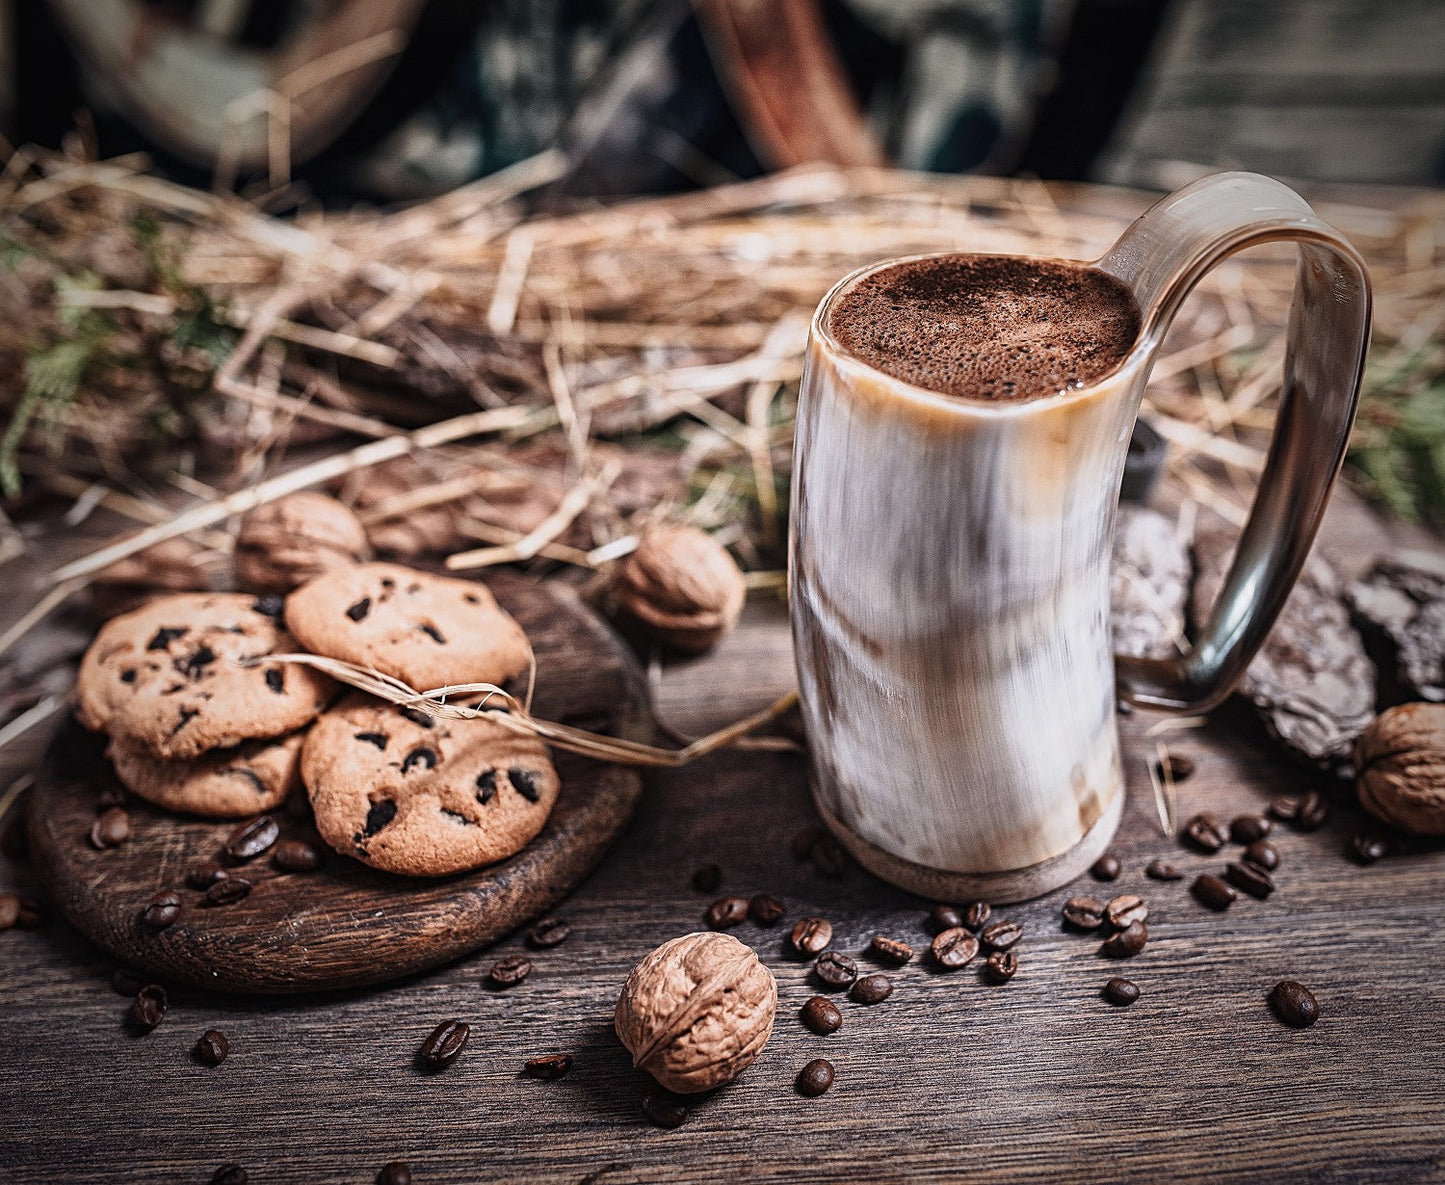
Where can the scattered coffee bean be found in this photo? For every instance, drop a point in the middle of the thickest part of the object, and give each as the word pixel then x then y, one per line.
pixel 1127 943
pixel 1262 854
pixel 148 1008
pixel 110 829
pixel 811 936
pixel 1126 909
pixel 821 1015
pixel 549 1067
pixel 1084 913
pixel 212 1048
pixel 871 989
pixel 1160 869
pixel 707 878
pixel 1294 1004
pixel 803 843
pixel 976 915
pixel 726 912
pixel 1251 878
pixel 32 913
pixel 510 971
pixel 944 917
pixel 890 950
pixel 249 840
pixel 1001 935
pixel 296 855
pixel 664 1111
pixel 1369 847
pixel 548 933
pixel 1247 829
pixel 394 1172
pixel 9 910
pixel 203 876
pixel 834 969
pixel 230 1174
pixel 1106 867
pixel 815 1078
pixel 1314 809
pixel 1212 892
pixel 227 891
pixel 829 858
pixel 1285 808
pixel 1175 766
pixel 1002 966
pixel 161 911
pixel 125 982
pixel 108 797
pixel 1122 992
pixel 444 1044
pixel 1207 832
pixel 954 948
pixel 765 910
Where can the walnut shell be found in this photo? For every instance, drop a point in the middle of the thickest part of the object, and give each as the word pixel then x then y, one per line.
pixel 682 586
pixel 697 1011
pixel 1400 768
pixel 285 543
pixel 172 565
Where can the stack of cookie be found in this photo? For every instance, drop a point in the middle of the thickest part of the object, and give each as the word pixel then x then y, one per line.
pixel 201 723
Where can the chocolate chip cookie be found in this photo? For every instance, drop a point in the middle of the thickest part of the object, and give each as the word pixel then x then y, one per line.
pixel 408 793
pixel 222 784
pixel 429 631
pixel 170 676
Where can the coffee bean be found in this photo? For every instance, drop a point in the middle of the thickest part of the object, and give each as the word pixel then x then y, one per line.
pixel 125 982
pixel 549 1067
pixel 834 969
pixel 1125 910
pixel 803 843
pixel 1369 847
pixel 954 948
pixel 212 1048
pixel 1314 809
pixel 510 971
pixel 1122 992
pixel 1207 832
pixel 1212 892
pixel 548 933
pixel 1246 829
pixel 707 878
pixel 203 876
pixel 871 989
pixel 109 796
pixel 1106 867
pixel 148 1008
pixel 1084 913
pixel 227 891
pixel 765 910
pixel 1285 808
pixel 1176 766
pixel 111 829
pixel 829 858
pixel 1252 879
pixel 32 913
pixel 726 912
pixel 664 1111
pixel 944 917
pixel 1001 935
pixel 230 1174
pixel 811 935
pixel 9 910
pixel 1002 966
pixel 296 855
pixel 976 915
pixel 444 1044
pixel 815 1078
pixel 1262 854
pixel 1294 1004
pixel 1162 870
pixel 249 840
pixel 394 1172
pixel 890 950
pixel 821 1015
pixel 1127 943
pixel 161 911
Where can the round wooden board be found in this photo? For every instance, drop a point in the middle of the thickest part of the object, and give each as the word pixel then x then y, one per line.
pixel 346 925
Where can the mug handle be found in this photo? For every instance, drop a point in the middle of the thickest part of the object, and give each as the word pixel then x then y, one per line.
pixel 1161 257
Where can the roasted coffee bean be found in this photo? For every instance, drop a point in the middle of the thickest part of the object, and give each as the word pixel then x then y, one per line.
pixel 1122 992
pixel 1212 892
pixel 444 1044
pixel 1294 1004
pixel 954 948
pixel 1106 867
pixel 110 829
pixel 803 843
pixel 550 932
pixel 148 1008
pixel 549 1067
pixel 821 1015
pixel 1160 869
pixel 1250 877
pixel 1314 809
pixel 1262 854
pixel 871 989
pixel 1002 966
pixel 1001 935
pixel 976 915
pixel 230 1174
pixel 707 878
pixel 890 950
pixel 1175 766
pixel 161 911
pixel 828 857
pixel 815 1078
pixel 665 1111
pixel 212 1048
pixel 1368 847
pixel 32 913
pixel 1127 943
pixel 394 1172
pixel 296 855
pixel 1285 808
pixel 944 917
pixel 510 971
pixel 1246 829
pixel 125 982
pixel 109 796
pixel 228 891
pixel 834 969
pixel 1125 910
pixel 765 910
pixel 1207 832
pixel 9 910
pixel 203 876
pixel 249 840
pixel 811 936
pixel 726 912
pixel 1084 913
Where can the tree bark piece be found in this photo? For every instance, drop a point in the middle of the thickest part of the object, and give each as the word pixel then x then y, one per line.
pixel 1403 596
pixel 1149 583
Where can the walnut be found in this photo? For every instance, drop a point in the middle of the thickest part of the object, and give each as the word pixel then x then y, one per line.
pixel 1400 768
pixel 682 587
pixel 285 543
pixel 697 1011
pixel 172 565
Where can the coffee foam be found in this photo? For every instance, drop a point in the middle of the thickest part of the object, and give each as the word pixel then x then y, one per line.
pixel 992 327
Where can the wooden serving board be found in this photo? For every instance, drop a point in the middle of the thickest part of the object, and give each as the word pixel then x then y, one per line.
pixel 345 925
